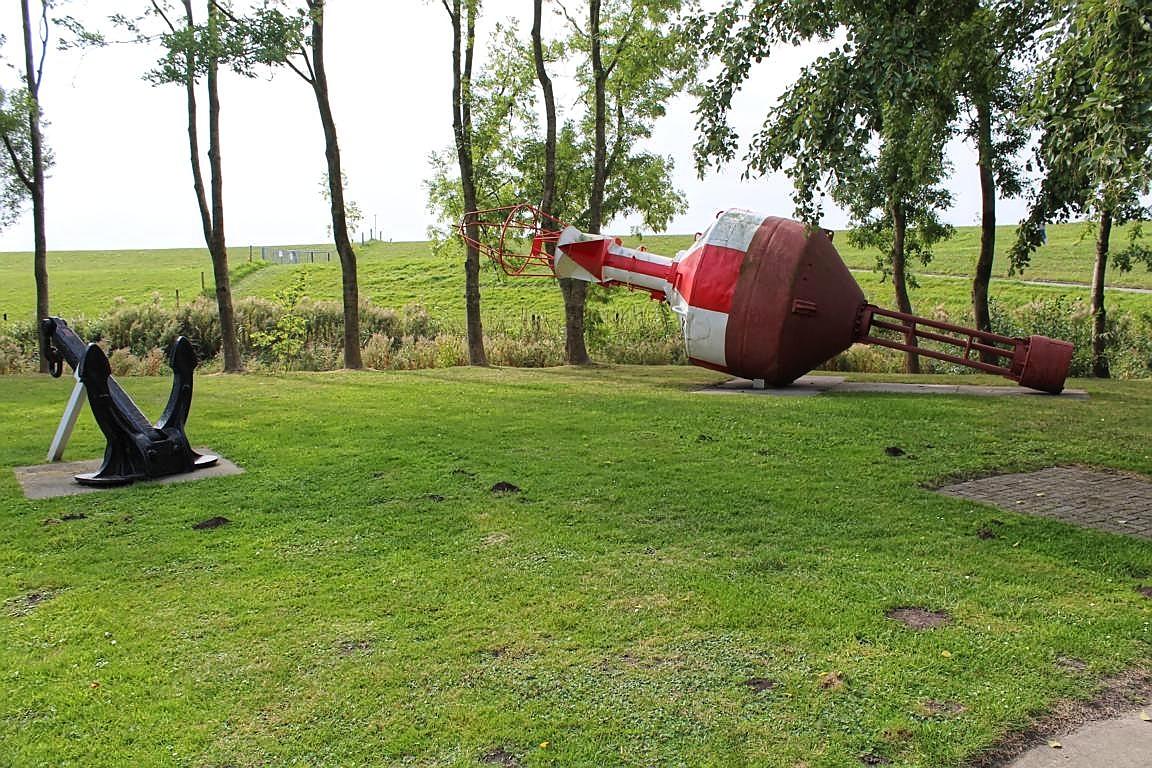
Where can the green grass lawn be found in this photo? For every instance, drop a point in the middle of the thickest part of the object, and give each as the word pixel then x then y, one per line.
pixel 373 603
pixel 1067 256
pixel 89 283
pixel 393 275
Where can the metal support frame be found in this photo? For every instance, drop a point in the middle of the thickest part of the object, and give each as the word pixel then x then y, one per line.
pixel 1036 362
pixel 67 421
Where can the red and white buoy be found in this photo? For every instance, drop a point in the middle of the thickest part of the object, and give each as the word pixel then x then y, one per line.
pixel 760 297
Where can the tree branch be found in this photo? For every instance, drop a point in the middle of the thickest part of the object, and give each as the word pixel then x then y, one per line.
pixel 160 12
pixel 43 46
pixel 16 166
pixel 618 145
pixel 308 78
pixel 226 12
pixel 308 63
pixel 572 21
pixel 618 50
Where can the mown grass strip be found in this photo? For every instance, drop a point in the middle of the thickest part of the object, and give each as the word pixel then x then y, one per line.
pixel 373 602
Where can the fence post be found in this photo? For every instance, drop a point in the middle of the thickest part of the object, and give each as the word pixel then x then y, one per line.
pixel 177 298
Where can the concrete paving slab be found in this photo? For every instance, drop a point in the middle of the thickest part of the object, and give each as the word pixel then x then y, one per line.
pixel 1122 742
pixel 1117 502
pixel 805 386
pixel 49 481
pixel 815 385
pixel 952 389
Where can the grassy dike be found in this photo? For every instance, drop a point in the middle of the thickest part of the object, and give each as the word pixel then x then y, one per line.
pixel 89 283
pixel 668 556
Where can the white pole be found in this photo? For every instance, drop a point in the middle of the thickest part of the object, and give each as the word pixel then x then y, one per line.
pixel 67 422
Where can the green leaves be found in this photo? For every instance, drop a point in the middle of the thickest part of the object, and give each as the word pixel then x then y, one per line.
pixel 15 153
pixel 648 60
pixel 267 36
pixel 1092 102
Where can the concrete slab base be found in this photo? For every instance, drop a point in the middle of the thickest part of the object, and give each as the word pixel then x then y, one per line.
pixel 804 386
pixel 815 385
pixel 1122 742
pixel 48 481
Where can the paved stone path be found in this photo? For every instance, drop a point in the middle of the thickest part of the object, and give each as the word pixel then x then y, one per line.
pixel 1107 501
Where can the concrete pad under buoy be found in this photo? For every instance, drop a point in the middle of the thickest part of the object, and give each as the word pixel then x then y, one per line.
pixel 802 387
pixel 49 481
pixel 815 385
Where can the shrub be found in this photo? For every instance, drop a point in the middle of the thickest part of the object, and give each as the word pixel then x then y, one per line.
pixel 199 320
pixel 152 363
pixel 377 321
pixel 377 353
pixel 14 356
pixel 124 363
pixel 140 327
pixel 417 323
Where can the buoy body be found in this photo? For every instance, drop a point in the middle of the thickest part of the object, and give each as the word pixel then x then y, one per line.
pixel 758 297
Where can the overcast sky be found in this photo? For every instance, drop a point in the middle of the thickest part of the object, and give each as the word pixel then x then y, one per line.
pixel 122 177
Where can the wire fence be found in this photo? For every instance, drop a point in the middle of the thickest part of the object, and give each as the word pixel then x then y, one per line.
pixel 293 255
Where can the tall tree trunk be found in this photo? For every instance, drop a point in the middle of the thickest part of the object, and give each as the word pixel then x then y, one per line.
pixel 574 292
pixel 548 192
pixel 1099 314
pixel 194 135
pixel 900 279
pixel 599 123
pixel 351 290
pixel 32 76
pixel 217 245
pixel 462 128
pixel 984 261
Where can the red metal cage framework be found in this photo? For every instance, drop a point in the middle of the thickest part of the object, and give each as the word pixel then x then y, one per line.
pixel 503 234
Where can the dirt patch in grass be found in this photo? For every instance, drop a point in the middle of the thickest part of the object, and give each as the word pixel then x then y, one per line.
pixel 990 530
pixel 832 681
pixel 350 647
pixel 210 523
pixel 495 539
pixel 919 618
pixel 64 518
pixel 500 756
pixel 937 708
pixel 894 451
pixel 759 684
pixel 871 758
pixel 26 603
pixel 1116 696
pixel 1146 591
pixel 505 487
pixel 1071 664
